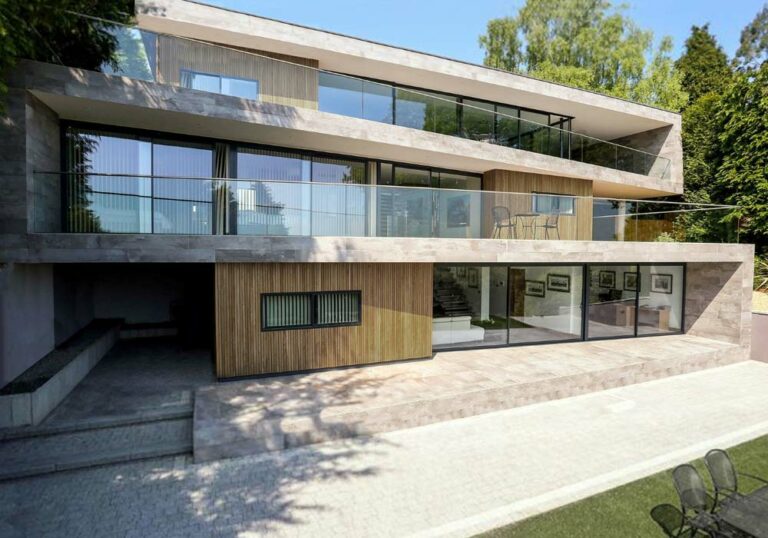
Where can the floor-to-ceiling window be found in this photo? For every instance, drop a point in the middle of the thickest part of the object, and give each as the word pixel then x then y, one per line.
pixel 545 303
pixel 497 305
pixel 126 183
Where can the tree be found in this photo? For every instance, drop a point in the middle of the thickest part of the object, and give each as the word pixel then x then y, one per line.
pixel 588 44
pixel 54 32
pixel 753 45
pixel 703 66
pixel 743 174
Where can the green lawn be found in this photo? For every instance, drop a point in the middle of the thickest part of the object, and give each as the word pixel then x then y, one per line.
pixel 623 511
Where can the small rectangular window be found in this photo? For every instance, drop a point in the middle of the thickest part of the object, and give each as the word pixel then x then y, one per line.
pixel 307 310
pixel 234 86
pixel 552 204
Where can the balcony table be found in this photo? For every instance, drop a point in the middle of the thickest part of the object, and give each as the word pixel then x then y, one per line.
pixel 748 514
pixel 528 221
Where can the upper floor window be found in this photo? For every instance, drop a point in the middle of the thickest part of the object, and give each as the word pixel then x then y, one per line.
pixel 227 85
pixel 553 204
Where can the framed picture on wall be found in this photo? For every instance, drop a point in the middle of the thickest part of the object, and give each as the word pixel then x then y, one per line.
pixel 661 283
pixel 472 277
pixel 607 279
pixel 630 281
pixel 535 288
pixel 558 282
pixel 461 272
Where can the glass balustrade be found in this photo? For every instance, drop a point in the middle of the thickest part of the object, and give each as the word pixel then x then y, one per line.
pixel 203 66
pixel 121 203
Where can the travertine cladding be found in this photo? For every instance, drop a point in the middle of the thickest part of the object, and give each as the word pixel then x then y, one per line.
pixel 29 140
pixel 39 248
pixel 760 336
pixel 718 301
pixel 665 142
pixel 95 97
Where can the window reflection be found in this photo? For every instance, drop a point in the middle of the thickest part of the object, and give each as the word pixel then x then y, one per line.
pixel 611 301
pixel 660 307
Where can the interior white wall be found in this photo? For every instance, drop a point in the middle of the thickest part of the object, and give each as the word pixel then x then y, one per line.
pixel 656 299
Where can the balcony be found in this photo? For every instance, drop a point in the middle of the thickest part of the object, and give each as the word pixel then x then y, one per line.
pixel 297 82
pixel 114 204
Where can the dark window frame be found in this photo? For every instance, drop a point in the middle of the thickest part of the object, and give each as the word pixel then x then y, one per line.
pixel 314 323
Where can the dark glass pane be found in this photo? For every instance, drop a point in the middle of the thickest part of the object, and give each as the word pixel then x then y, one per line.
pixel 611 305
pixel 469 307
pixel 661 298
pixel 268 164
pixel 329 170
pixel 507 126
pixel 182 206
pixel 534 131
pixel 385 174
pixel 412 177
pixel 426 111
pixel 478 120
pixel 545 303
pixel 378 101
pixel 340 95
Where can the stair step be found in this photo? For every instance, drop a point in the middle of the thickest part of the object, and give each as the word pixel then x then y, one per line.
pixel 89 445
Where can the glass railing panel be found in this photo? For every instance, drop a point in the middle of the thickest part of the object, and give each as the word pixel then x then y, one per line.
pixel 427 112
pixel 124 203
pixel 136 53
pixel 342 95
pixel 478 121
pixel 378 102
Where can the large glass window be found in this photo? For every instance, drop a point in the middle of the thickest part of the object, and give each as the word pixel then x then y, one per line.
pixel 660 306
pixel 545 303
pixel 427 111
pixel 340 95
pixel 478 120
pixel 133 184
pixel 534 131
pixel 611 301
pixel 507 126
pixel 469 306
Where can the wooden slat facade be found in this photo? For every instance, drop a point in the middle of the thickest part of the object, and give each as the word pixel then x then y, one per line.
pixel 396 316
pixel 578 226
pixel 279 82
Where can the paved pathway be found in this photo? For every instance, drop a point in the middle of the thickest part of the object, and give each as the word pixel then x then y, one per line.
pixel 451 478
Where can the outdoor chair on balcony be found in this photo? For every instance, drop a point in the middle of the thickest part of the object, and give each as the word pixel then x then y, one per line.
pixel 550 223
pixel 672 521
pixel 697 505
pixel 502 221
pixel 725 477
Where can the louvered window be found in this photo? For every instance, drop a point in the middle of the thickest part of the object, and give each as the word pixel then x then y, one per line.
pixel 304 310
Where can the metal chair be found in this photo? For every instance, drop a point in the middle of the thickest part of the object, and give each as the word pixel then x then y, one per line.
pixel 551 223
pixel 725 479
pixel 672 521
pixel 696 503
pixel 502 220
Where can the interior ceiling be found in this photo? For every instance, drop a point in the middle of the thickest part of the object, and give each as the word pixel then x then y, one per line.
pixel 120 115
pixel 355 57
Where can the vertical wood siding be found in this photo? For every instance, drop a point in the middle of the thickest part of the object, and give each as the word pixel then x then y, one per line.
pixel 578 226
pixel 396 318
pixel 279 82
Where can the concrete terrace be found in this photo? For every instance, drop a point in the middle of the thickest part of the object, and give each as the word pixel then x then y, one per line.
pixel 247 417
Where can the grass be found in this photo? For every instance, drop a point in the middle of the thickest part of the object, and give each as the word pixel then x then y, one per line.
pixel 624 511
pixel 759 301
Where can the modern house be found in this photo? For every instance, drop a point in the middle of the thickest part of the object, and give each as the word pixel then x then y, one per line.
pixel 298 200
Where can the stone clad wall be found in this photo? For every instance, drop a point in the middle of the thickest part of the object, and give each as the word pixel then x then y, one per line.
pixel 718 302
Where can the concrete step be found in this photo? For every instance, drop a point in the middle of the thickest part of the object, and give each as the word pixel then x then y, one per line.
pixel 109 440
pixel 269 417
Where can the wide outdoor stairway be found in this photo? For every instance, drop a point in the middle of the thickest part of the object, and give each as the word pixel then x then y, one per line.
pixel 45 449
pixel 252 416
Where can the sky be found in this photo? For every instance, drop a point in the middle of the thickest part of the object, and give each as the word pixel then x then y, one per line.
pixel 451 27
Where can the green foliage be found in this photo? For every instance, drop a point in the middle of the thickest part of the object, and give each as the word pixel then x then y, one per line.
pixel 52 32
pixel 588 44
pixel 742 177
pixel 703 66
pixel 761 273
pixel 753 45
